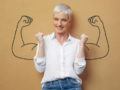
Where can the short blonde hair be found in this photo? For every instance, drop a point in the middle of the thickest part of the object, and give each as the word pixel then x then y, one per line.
pixel 63 8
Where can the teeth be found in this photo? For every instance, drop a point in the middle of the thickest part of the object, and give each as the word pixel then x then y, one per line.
pixel 60 28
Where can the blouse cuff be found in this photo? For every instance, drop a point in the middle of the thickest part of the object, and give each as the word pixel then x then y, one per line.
pixel 39 60
pixel 80 62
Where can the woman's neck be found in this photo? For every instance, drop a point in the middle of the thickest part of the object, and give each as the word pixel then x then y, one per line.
pixel 61 37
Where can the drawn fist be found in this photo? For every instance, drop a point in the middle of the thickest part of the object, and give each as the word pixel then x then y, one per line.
pixel 39 37
pixel 95 21
pixel 25 21
pixel 83 39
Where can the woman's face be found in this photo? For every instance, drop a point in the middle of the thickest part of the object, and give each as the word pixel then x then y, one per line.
pixel 61 22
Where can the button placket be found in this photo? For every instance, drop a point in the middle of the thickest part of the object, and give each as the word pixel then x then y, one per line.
pixel 62 61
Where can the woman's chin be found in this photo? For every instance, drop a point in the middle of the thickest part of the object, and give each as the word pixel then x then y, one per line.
pixel 60 31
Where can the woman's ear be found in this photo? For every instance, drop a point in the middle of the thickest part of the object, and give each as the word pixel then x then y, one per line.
pixel 70 21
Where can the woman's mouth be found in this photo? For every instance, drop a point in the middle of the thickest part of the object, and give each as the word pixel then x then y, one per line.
pixel 60 28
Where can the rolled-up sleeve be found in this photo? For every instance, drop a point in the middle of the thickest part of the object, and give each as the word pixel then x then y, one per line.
pixel 39 63
pixel 79 65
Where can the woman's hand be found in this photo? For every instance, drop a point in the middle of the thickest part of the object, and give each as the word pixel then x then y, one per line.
pixel 39 37
pixel 83 39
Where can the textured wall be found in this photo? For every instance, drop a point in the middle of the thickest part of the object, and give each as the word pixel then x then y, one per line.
pixel 22 19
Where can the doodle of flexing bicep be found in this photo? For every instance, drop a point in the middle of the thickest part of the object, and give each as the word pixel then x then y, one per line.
pixel 100 48
pixel 20 49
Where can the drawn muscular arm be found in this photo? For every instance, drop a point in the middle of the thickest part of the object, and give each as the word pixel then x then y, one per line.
pixel 93 50
pixel 20 49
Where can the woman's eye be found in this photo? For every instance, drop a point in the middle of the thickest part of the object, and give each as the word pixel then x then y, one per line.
pixel 64 20
pixel 55 19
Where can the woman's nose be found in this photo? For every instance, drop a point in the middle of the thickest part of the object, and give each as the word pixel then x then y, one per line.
pixel 59 23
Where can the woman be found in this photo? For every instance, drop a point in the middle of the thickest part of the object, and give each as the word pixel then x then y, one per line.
pixel 59 55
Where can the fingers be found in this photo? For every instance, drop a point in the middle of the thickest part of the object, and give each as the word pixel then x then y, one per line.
pixel 39 36
pixel 83 38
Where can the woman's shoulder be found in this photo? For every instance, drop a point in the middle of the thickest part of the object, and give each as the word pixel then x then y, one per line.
pixel 75 39
pixel 48 37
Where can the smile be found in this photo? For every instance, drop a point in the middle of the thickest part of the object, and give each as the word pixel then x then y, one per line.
pixel 60 28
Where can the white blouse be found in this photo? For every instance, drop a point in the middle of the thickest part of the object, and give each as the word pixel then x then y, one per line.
pixel 60 60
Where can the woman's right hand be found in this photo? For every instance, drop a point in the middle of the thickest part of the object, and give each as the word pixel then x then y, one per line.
pixel 39 37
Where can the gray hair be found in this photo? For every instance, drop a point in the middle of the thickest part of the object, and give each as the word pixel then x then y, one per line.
pixel 63 8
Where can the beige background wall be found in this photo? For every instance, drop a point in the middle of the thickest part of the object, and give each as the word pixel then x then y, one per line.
pixel 20 74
